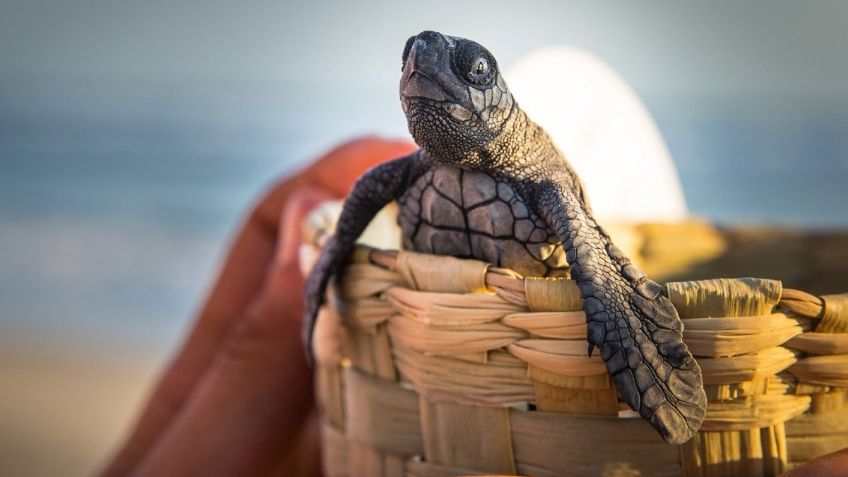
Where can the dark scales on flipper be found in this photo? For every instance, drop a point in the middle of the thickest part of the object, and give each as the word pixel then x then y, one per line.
pixel 488 183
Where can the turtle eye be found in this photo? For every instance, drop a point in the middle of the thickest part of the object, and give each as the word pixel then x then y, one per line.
pixel 481 71
pixel 473 63
pixel 481 67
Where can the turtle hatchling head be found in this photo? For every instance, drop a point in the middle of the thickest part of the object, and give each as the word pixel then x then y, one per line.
pixel 454 97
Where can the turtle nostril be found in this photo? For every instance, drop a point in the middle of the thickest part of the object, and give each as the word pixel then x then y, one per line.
pixel 420 45
pixel 426 54
pixel 430 36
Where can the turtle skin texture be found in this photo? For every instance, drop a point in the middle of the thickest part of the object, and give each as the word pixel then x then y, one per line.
pixel 488 183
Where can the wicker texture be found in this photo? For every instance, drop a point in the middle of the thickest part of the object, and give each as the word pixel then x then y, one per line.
pixel 435 366
pixel 821 372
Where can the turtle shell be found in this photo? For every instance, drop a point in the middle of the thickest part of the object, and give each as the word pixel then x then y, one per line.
pixel 470 214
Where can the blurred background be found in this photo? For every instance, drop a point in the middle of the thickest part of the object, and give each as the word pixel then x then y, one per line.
pixel 134 134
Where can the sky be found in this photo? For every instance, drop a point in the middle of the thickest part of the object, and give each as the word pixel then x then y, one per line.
pixel 723 47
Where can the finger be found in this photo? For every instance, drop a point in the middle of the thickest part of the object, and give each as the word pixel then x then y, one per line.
pixel 300 204
pixel 250 404
pixel 336 172
pixel 830 465
pixel 303 458
pixel 260 363
pixel 239 279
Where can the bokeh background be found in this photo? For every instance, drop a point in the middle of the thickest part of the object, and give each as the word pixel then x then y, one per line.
pixel 134 134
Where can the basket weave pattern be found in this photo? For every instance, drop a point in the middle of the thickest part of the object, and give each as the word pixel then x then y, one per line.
pixel 434 366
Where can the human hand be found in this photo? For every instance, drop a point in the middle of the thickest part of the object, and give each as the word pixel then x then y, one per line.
pixel 237 399
pixel 830 465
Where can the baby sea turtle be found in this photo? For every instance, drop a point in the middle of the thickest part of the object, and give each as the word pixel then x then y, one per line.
pixel 489 184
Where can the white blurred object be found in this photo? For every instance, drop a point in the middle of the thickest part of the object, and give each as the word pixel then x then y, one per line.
pixel 605 132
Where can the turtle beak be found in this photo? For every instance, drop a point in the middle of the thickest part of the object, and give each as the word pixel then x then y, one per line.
pixel 420 85
pixel 427 73
pixel 423 59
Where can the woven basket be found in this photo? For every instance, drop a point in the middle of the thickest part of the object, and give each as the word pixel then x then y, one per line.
pixel 432 366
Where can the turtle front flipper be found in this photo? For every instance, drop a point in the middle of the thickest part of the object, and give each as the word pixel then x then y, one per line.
pixel 630 320
pixel 371 192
